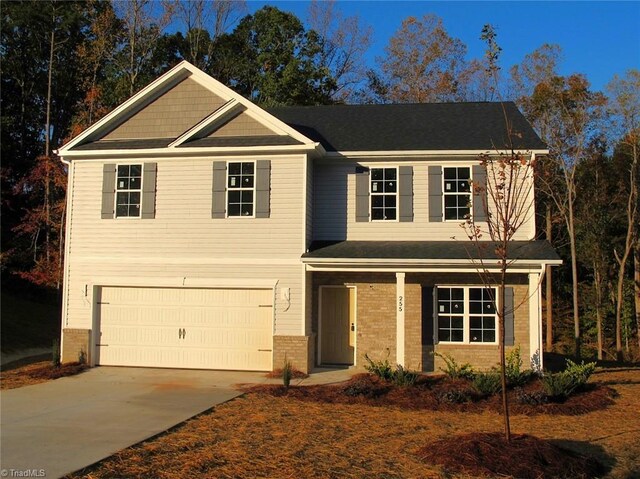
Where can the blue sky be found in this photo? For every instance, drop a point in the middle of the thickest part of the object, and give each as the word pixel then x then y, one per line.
pixel 598 39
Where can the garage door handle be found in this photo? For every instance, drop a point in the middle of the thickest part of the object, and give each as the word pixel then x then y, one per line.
pixel 184 333
pixel 181 333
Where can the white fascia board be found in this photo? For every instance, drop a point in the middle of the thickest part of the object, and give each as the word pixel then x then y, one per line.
pixel 186 152
pixel 225 110
pixel 423 153
pixel 182 67
pixel 440 262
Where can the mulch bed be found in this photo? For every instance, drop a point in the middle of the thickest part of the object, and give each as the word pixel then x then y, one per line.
pixel 38 373
pixel 439 394
pixel 524 457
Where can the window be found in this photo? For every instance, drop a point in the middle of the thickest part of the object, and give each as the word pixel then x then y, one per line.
pixel 457 193
pixel 240 185
pixel 128 191
pixel 466 314
pixel 384 191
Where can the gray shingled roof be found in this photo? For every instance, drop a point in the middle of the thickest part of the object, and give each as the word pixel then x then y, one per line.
pixel 424 126
pixel 428 250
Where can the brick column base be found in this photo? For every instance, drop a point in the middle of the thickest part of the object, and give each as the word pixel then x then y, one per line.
pixel 75 343
pixel 297 349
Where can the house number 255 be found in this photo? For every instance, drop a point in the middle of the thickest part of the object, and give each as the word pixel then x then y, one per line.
pixel 400 303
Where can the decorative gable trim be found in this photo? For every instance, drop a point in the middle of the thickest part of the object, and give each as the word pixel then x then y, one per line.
pixel 163 84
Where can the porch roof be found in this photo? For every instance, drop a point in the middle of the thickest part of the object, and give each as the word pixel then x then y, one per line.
pixel 428 252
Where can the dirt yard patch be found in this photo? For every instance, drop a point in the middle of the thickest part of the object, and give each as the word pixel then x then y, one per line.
pixel 259 435
pixel 37 373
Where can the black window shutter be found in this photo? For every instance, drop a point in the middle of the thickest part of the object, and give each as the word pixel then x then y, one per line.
pixel 434 312
pixel 108 190
pixel 362 194
pixel 428 322
pixel 219 207
pixel 149 174
pixel 435 194
pixel 479 197
pixel 263 187
pixel 509 336
pixel 405 183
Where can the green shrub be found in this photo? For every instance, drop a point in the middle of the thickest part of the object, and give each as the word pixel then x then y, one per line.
pixel 404 377
pixel 400 376
pixel 580 372
pixel 382 369
pixel 513 371
pixel 287 373
pixel 455 396
pixel 535 398
pixel 453 370
pixel 488 383
pixel 82 357
pixel 560 386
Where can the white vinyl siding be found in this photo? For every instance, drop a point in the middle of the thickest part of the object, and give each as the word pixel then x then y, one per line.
pixel 335 206
pixel 183 241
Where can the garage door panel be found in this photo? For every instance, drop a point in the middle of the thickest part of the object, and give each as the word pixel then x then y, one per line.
pixel 186 328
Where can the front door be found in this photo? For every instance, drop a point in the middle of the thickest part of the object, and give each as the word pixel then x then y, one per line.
pixel 337 324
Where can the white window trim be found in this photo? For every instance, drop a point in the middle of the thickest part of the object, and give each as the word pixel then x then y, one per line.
pixel 444 193
pixel 465 317
pixel 397 193
pixel 115 196
pixel 253 189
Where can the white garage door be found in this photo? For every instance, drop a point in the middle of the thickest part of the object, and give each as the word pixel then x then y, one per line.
pixel 185 328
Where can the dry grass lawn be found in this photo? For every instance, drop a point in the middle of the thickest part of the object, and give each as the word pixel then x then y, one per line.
pixel 258 435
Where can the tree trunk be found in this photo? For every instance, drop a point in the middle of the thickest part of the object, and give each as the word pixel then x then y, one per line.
pixel 47 125
pixel 622 262
pixel 549 288
pixel 598 286
pixel 574 275
pixel 636 237
pixel 47 143
pixel 503 376
pixel 636 282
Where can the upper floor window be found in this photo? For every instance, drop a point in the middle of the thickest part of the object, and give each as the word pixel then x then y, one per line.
pixel 241 188
pixel 457 193
pixel 128 191
pixel 384 193
pixel 466 315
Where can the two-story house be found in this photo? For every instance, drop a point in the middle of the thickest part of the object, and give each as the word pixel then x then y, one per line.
pixel 206 232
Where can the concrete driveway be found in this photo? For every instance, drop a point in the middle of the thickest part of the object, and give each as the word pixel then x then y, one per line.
pixel 64 425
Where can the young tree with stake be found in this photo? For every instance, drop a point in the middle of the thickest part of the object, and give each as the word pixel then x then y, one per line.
pixel 507 192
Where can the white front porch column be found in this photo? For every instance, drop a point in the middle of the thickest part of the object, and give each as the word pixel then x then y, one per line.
pixel 400 306
pixel 535 321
